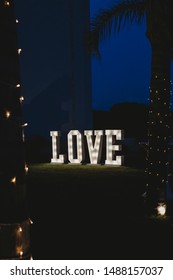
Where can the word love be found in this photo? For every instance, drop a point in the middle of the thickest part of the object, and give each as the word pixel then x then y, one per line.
pixel 94 140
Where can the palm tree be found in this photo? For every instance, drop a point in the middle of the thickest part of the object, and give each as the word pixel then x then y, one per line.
pixel 14 222
pixel 159 31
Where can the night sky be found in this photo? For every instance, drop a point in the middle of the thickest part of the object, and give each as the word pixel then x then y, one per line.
pixel 121 75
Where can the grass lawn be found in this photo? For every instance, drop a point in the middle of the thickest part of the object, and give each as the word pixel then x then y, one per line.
pixel 85 177
pixel 92 212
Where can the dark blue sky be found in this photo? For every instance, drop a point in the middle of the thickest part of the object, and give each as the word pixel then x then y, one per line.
pixel 122 74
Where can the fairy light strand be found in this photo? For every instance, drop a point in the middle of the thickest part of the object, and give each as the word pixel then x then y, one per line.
pixel 157 162
pixel 11 117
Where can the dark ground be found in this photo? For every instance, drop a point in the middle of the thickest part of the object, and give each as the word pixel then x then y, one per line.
pixel 103 220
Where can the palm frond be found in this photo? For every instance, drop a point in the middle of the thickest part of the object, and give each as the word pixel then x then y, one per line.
pixel 113 19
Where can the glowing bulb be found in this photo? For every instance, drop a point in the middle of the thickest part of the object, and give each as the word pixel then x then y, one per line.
pixel 21 253
pixel 7 3
pixel 21 99
pixel 20 229
pixel 25 124
pixel 7 114
pixel 19 51
pixel 161 209
pixel 26 168
pixel 17 21
pixel 31 222
pixel 13 180
pixel 18 86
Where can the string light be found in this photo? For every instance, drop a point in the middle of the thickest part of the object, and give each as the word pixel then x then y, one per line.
pixel 7 3
pixel 20 229
pixel 13 180
pixel 8 114
pixel 19 51
pixel 157 161
pixel 161 209
pixel 26 168
pixel 25 124
pixel 11 115
pixel 21 98
pixel 31 222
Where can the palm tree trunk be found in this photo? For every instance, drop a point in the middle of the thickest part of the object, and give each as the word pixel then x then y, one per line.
pixel 159 127
pixel 14 222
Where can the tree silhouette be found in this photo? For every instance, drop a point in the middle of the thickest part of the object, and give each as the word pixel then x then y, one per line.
pixel 159 31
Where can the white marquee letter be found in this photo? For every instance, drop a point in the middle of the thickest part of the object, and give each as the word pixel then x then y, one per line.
pixel 111 148
pixel 78 158
pixel 57 158
pixel 94 147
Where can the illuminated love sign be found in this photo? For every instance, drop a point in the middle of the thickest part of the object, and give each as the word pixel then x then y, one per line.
pixel 94 139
